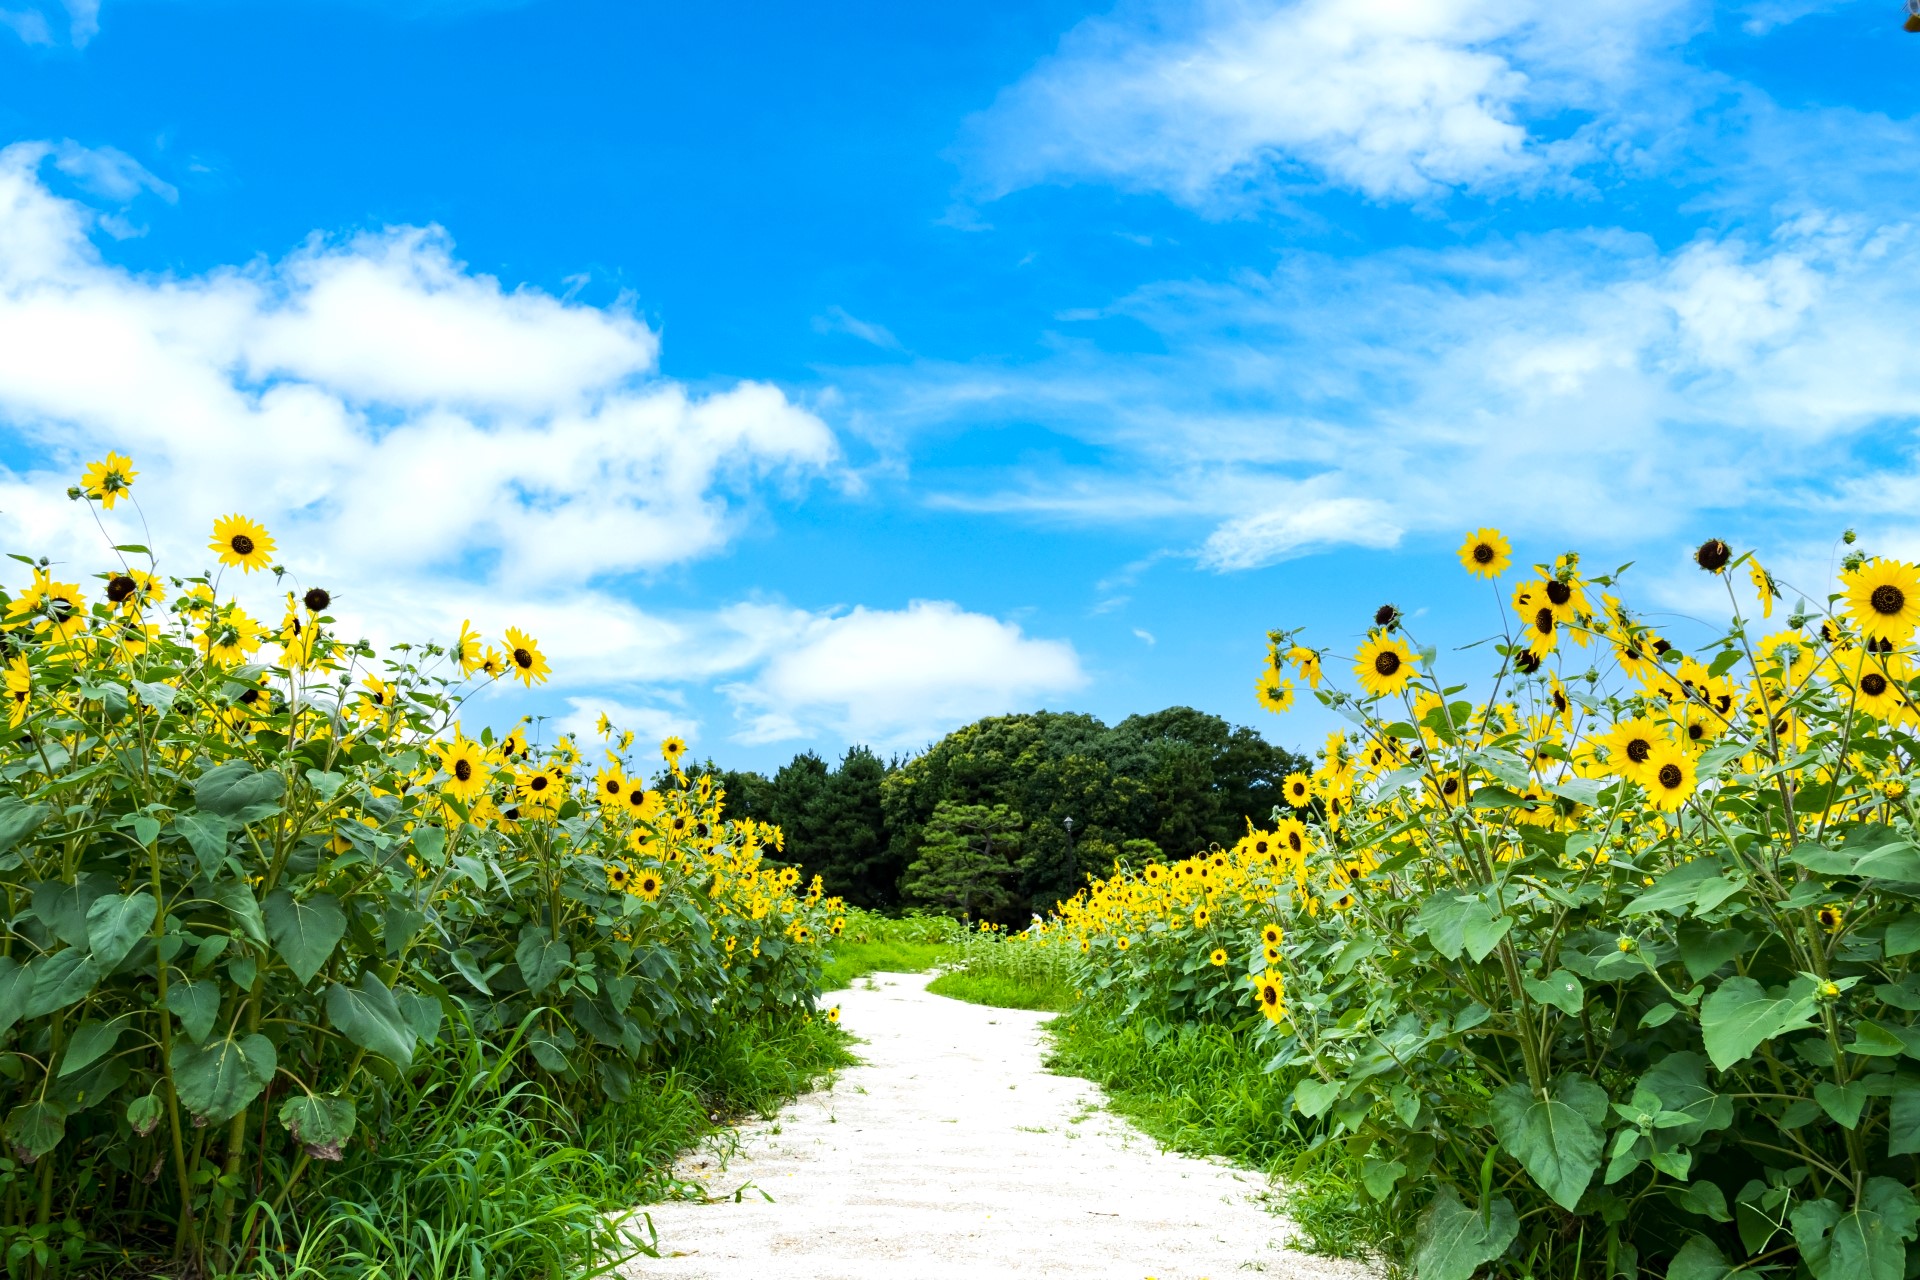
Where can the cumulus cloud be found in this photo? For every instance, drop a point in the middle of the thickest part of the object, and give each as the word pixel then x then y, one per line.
pixel 901 677
pixel 1397 99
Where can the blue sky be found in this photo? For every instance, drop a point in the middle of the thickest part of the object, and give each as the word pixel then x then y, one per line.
pixel 813 374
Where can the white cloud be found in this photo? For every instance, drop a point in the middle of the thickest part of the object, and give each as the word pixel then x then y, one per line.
pixel 649 724
pixel 838 320
pixel 29 24
pixel 1297 528
pixel 901 678
pixel 1398 99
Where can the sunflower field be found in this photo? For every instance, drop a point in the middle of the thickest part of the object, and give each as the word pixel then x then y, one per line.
pixel 260 883
pixel 1609 970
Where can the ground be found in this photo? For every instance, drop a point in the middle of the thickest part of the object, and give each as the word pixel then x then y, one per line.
pixel 950 1153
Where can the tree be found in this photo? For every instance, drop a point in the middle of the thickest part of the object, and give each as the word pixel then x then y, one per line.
pixel 967 856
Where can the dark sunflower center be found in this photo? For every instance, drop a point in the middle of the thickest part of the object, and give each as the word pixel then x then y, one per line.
pixel 1450 786
pixel 1386 662
pixel 1873 684
pixel 1887 599
pixel 1385 616
pixel 1638 749
pixel 1559 592
pixel 1293 841
pixel 613 788
pixel 539 782
pixel 1696 731
pixel 242 545
pixel 120 587
pixel 522 659
pixel 1559 702
pixel 463 770
pixel 1671 777
pixel 1528 661
pixel 317 599
pixel 1269 996
pixel 1482 553
pixel 250 697
pixel 1543 621
pixel 1713 555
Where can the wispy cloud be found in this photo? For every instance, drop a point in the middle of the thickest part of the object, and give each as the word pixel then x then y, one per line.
pixel 836 320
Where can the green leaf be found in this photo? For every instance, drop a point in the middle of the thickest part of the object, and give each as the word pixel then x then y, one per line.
pixel 90 1041
pixel 144 1113
pixel 1455 924
pixel 1380 1176
pixel 63 907
pixel 237 897
pixel 197 1004
pixel 1863 1247
pixel 1312 1097
pixel 1740 1015
pixel 1895 1203
pixel 467 967
pixel 1704 950
pixel 115 922
pixel 1903 1119
pixel 206 834
pixel 1560 989
pixel 35 1129
pixel 217 1079
pixel 423 1014
pixel 367 1014
pixel 59 980
pixel 1844 1102
pixel 320 1124
pixel 1453 1241
pixel 1813 1221
pixel 304 930
pixel 1699 1259
pixel 1903 936
pixel 541 958
pixel 1556 1138
pixel 237 791
pixel 1680 889
pixel 16 987
pixel 326 785
pixel 1706 1199
pixel 18 820
pixel 1870 1039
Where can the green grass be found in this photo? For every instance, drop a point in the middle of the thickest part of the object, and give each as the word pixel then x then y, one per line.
pixel 1002 992
pixel 1205 1090
pixel 854 960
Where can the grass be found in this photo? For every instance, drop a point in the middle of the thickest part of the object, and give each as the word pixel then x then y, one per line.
pixel 1205 1090
pixel 882 944
pixel 494 1180
pixel 1002 992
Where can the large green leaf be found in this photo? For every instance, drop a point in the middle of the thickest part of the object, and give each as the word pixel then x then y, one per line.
pixel 1560 989
pixel 237 897
pixel 541 958
pixel 35 1129
pixel 1699 1259
pixel 1453 1241
pixel 304 930
pixel 90 1041
pixel 1903 1119
pixel 1679 1081
pixel 217 1079
pixel 1681 889
pixel 63 907
pixel 1843 1102
pixel 1740 1015
pixel 196 1002
pixel 1456 924
pixel 59 980
pixel 16 987
pixel 235 790
pixel 1863 1247
pixel 18 820
pixel 206 835
pixel 1558 1137
pixel 115 922
pixel 320 1124
pixel 367 1014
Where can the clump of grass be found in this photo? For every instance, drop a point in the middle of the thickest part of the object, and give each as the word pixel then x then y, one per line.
pixel 1001 992
pixel 988 966
pixel 873 943
pixel 1204 1089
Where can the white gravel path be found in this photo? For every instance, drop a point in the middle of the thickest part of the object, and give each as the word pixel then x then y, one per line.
pixel 951 1154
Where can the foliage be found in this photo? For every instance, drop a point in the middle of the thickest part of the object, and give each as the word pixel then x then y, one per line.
pixel 1611 972
pixel 257 879
pixel 988 967
pixel 873 943
pixel 968 853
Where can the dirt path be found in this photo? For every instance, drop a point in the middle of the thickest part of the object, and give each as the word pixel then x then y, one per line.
pixel 952 1154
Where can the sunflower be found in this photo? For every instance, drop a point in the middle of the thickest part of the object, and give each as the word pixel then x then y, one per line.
pixel 1631 745
pixel 1307 663
pixel 1297 789
pixel 468 650
pixel 1384 664
pixel 1831 918
pixel 1543 631
pixel 1713 555
pixel 642 803
pixel 833 1016
pixel 1668 776
pixel 539 789
pixel 648 884
pixel 466 767
pixel 1292 835
pixel 1764 586
pixel 1485 553
pixel 610 787
pixel 19 691
pixel 1270 954
pixel 1879 685
pixel 1883 599
pixel 1217 957
pixel 57 609
pixel 1122 942
pixel 618 878
pixel 1275 692
pixel 243 542
pixel 1270 993
pixel 1271 935
pixel 528 663
pixel 109 479
pixel 231 637
pixel 672 747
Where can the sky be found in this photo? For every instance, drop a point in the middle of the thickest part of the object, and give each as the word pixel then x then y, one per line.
pixel 809 375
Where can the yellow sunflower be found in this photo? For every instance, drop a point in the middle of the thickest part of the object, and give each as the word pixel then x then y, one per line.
pixel 1485 553
pixel 672 747
pixel 1298 790
pixel 1384 664
pixel 1275 692
pixel 1217 957
pixel 468 650
pixel 648 884
pixel 1764 586
pixel 1271 935
pixel 243 542
pixel 1669 776
pixel 1307 663
pixel 1631 745
pixel 1879 685
pixel 528 664
pixel 19 691
pixel 1270 993
pixel 1883 599
pixel 133 590
pixel 609 786
pixel 231 637
pixel 56 609
pixel 833 1016
pixel 109 479
pixel 538 789
pixel 467 768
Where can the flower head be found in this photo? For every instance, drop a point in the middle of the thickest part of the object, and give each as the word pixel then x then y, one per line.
pixel 1883 599
pixel 526 662
pixel 108 480
pixel 242 542
pixel 1485 553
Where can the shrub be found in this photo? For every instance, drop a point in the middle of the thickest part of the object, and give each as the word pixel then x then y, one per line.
pixel 1612 971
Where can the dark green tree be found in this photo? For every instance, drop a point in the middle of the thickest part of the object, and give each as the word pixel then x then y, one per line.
pixel 969 853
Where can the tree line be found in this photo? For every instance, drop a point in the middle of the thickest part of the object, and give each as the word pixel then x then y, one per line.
pixel 1008 815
